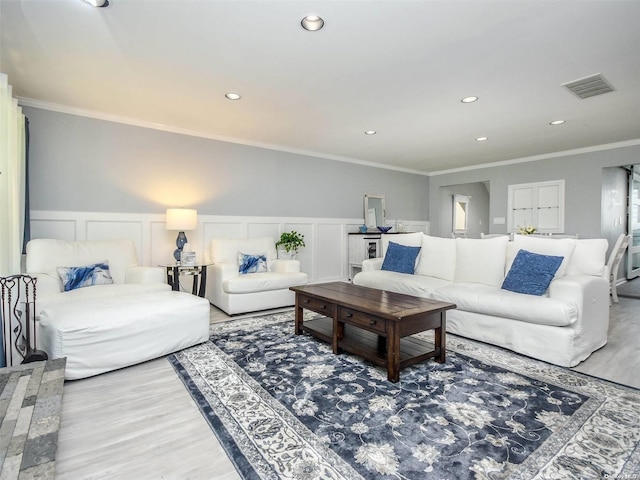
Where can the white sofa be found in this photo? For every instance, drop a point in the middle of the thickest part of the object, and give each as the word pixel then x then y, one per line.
pixel 235 293
pixel 105 327
pixel 563 326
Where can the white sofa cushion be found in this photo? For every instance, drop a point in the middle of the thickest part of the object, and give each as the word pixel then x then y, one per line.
pixel 437 258
pixel 474 297
pixel 97 292
pixel 407 239
pixel 417 285
pixel 260 282
pixel 481 260
pixel 45 255
pixel 559 247
pixel 589 257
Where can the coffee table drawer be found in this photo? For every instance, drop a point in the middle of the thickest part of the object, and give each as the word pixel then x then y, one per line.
pixel 320 306
pixel 363 320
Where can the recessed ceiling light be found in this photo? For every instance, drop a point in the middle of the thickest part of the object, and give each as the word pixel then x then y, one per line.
pixel 370 132
pixel 482 139
pixel 312 23
pixel 232 96
pixel 557 122
pixel 469 99
pixel 98 3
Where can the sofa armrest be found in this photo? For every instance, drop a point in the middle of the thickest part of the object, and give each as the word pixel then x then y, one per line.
pixel 219 272
pixel 590 294
pixel 285 266
pixel 372 264
pixel 144 275
pixel 47 286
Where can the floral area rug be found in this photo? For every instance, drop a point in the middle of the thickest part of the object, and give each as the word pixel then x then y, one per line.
pixel 283 406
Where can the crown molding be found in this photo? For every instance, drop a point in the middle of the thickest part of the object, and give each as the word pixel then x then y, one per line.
pixel 545 156
pixel 55 107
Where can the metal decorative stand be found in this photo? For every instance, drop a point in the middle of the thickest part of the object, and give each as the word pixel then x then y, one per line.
pixel 18 315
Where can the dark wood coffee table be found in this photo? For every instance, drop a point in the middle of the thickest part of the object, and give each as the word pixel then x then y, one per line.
pixel 371 323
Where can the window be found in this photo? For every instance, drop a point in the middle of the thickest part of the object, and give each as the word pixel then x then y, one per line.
pixel 460 213
pixel 540 205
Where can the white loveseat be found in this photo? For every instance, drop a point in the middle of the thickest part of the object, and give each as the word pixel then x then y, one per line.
pixel 105 327
pixel 236 293
pixel 563 326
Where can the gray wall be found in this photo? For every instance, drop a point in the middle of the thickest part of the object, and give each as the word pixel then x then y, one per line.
pixel 583 175
pixel 478 211
pixel 85 164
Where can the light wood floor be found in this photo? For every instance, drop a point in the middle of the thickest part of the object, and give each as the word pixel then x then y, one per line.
pixel 140 422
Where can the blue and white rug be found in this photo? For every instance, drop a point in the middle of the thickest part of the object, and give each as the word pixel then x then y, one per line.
pixel 283 406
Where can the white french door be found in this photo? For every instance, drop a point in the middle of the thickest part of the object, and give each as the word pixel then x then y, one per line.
pixel 633 226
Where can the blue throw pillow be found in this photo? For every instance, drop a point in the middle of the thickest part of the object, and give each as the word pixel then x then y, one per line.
pixel 86 276
pixel 531 273
pixel 251 263
pixel 400 258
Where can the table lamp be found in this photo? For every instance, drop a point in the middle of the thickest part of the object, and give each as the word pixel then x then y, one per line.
pixel 181 219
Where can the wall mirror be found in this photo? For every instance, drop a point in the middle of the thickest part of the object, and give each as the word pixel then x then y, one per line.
pixel 374 213
pixel 460 213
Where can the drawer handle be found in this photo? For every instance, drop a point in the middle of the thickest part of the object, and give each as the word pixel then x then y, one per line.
pixel 349 315
pixel 323 307
pixel 307 301
pixel 372 323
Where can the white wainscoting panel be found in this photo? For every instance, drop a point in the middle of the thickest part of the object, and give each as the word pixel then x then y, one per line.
pixel 324 258
pixel 58 229
pixel 115 230
pixel 330 247
pixel 221 229
pixel 256 230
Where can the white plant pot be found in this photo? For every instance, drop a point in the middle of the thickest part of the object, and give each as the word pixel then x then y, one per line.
pixel 284 255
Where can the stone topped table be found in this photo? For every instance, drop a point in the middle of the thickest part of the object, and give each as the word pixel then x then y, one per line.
pixel 30 404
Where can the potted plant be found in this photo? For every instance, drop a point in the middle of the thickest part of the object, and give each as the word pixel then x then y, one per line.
pixel 289 244
pixel 526 230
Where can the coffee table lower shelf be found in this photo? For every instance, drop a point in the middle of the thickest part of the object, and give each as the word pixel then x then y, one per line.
pixel 371 346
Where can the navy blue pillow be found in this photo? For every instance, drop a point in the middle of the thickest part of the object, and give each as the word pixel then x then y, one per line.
pixel 531 273
pixel 400 258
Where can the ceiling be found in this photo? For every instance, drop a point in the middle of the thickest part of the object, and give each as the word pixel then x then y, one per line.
pixel 397 67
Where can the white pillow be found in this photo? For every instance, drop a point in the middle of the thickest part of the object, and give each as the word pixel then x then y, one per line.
pixel 589 257
pixel 560 247
pixel 437 258
pixel 481 260
pixel 407 239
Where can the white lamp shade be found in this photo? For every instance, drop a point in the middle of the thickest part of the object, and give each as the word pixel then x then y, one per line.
pixel 181 219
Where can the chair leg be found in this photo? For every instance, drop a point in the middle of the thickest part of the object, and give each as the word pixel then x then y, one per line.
pixel 614 290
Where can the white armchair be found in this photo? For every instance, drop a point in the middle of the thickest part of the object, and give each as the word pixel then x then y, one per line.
pixel 235 293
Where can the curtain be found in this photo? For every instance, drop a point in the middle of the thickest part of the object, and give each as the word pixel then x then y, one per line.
pixel 12 180
pixel 26 234
pixel 12 185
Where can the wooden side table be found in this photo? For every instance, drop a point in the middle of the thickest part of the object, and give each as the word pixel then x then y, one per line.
pixel 198 272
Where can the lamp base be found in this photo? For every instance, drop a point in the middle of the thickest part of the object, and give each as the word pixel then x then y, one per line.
pixel 180 242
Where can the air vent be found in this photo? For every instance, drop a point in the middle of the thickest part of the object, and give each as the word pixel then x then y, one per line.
pixel 589 86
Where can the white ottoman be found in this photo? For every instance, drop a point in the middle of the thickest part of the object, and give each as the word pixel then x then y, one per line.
pixel 98 335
